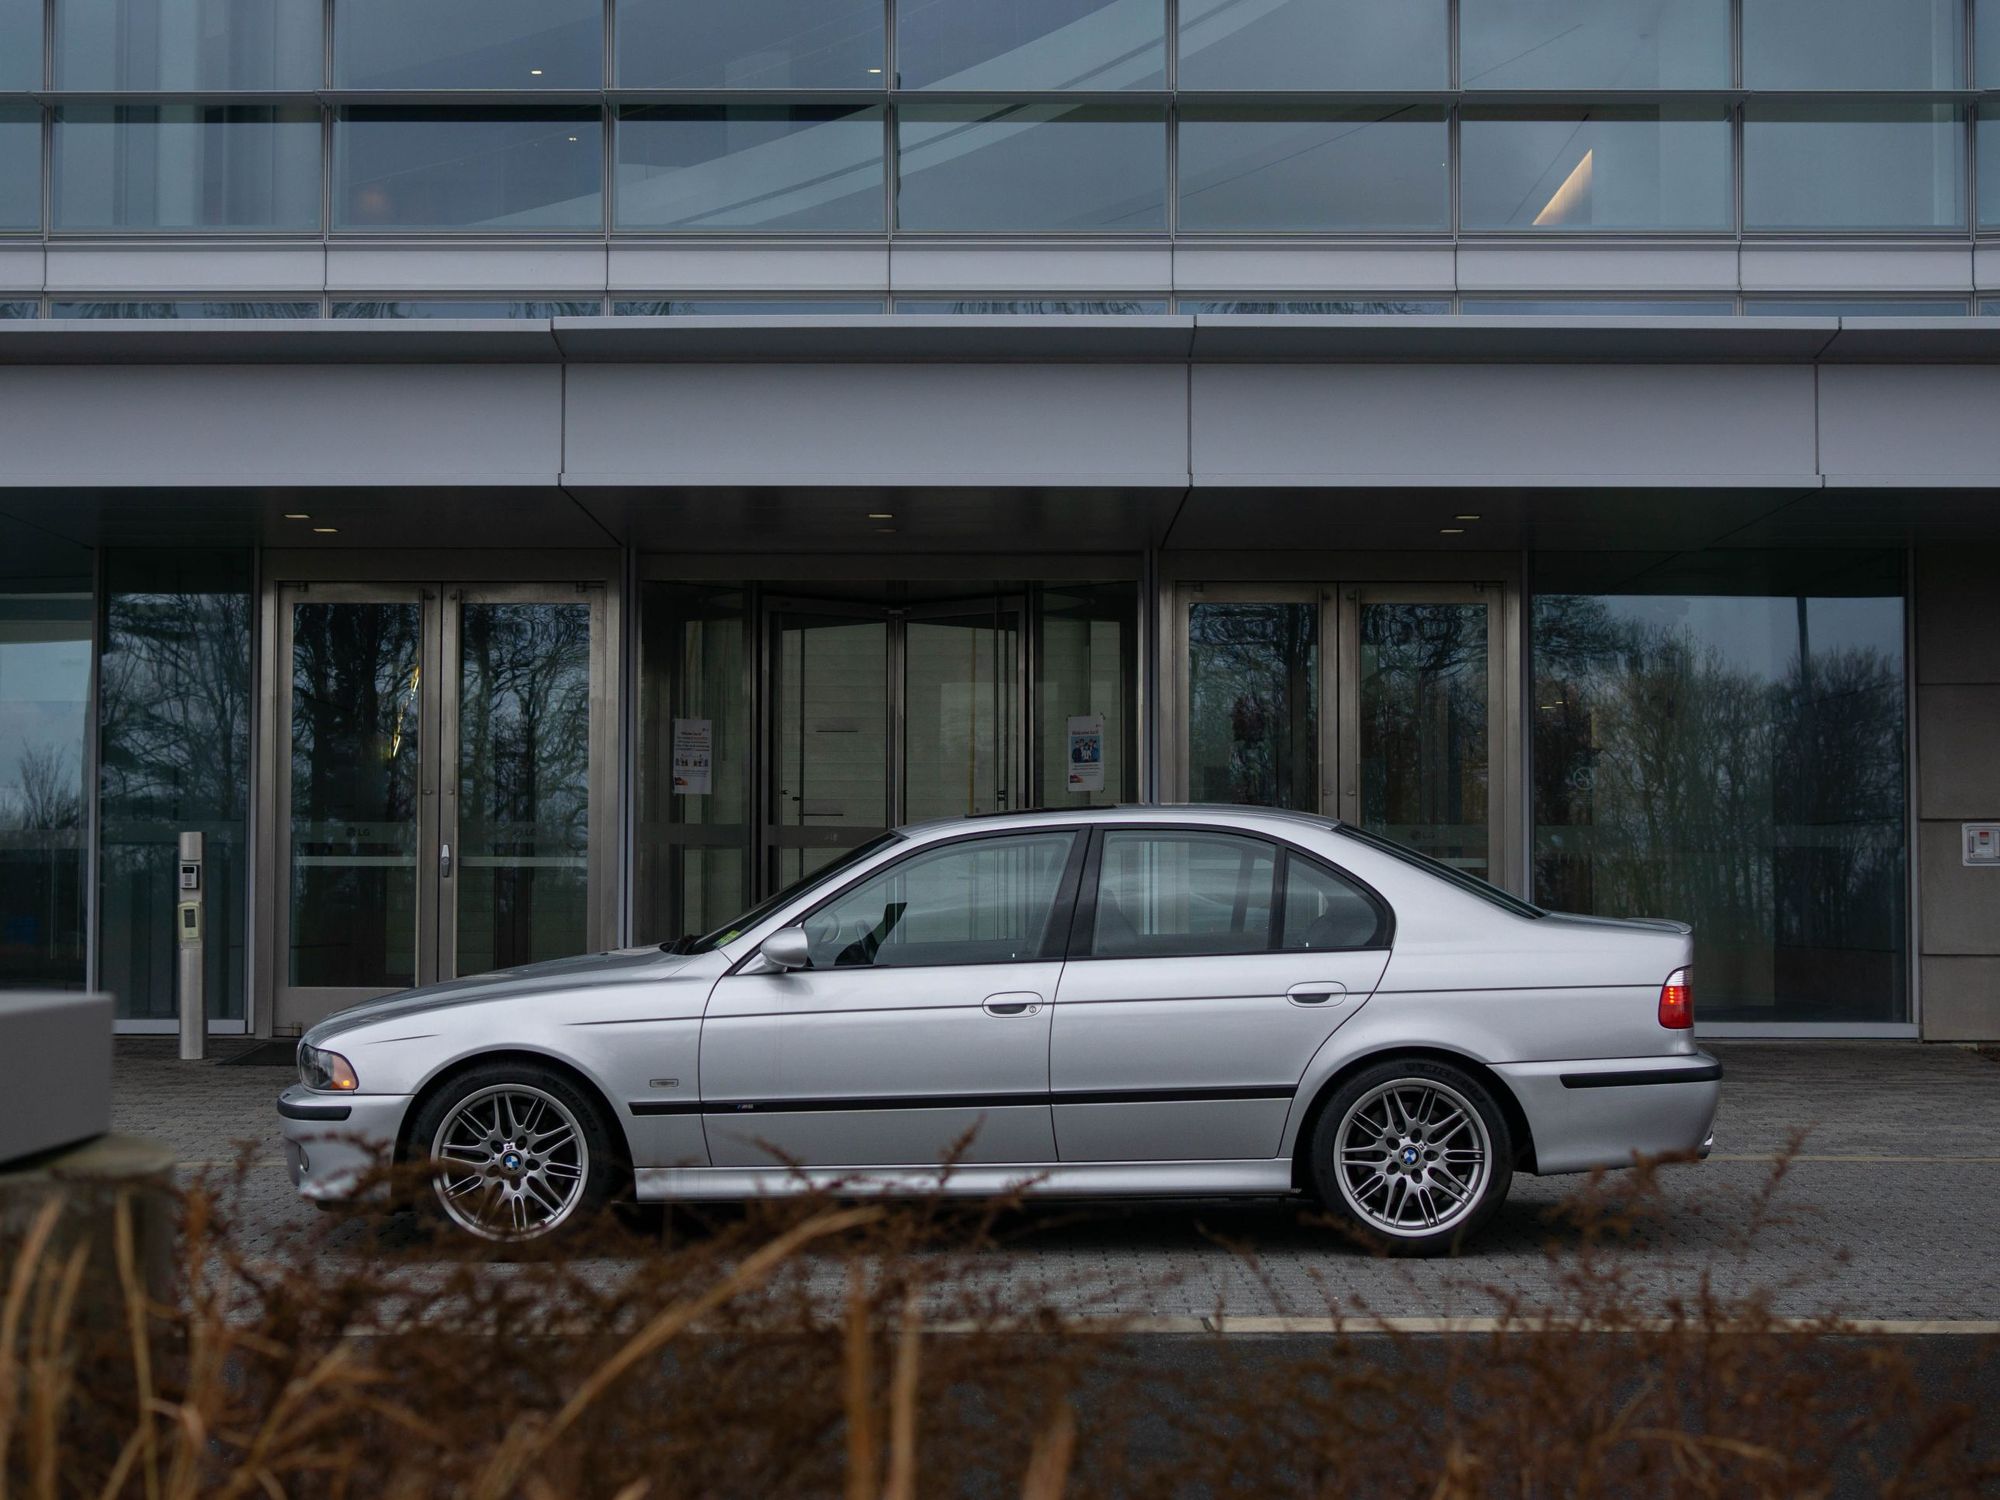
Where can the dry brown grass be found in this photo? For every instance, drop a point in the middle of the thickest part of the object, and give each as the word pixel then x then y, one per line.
pixel 819 1347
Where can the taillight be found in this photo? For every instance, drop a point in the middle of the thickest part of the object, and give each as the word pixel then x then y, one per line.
pixel 1677 1001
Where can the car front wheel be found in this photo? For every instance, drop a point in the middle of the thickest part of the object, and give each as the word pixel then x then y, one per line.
pixel 516 1152
pixel 1413 1156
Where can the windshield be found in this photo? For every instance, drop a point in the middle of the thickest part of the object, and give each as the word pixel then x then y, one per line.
pixel 1485 890
pixel 736 927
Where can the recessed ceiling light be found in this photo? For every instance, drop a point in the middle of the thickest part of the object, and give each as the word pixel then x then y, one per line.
pixel 326 530
pixel 534 72
pixel 572 137
pixel 1465 518
pixel 297 515
pixel 881 515
pixel 885 531
pixel 874 70
pixel 1451 531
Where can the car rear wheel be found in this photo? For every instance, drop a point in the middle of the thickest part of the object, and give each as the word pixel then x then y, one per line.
pixel 1413 1156
pixel 517 1152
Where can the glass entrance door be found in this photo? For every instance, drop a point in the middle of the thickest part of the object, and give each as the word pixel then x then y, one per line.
pixel 438 785
pixel 1379 704
pixel 879 716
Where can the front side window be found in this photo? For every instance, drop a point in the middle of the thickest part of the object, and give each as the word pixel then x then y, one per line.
pixel 985 901
pixel 1177 894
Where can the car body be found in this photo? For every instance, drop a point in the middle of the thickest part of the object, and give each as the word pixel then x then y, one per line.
pixel 1147 1001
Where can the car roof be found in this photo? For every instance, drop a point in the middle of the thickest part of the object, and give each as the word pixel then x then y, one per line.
pixel 1195 812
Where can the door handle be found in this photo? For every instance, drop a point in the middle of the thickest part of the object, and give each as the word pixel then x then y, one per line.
pixel 1316 992
pixel 444 861
pixel 1019 1003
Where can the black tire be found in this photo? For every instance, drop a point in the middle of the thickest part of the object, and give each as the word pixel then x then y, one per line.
pixel 1421 1196
pixel 513 1195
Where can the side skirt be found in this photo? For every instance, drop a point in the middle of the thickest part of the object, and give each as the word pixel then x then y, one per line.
pixel 1127 1179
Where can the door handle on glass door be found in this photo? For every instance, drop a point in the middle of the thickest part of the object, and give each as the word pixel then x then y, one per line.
pixel 1316 992
pixel 444 861
pixel 1018 1003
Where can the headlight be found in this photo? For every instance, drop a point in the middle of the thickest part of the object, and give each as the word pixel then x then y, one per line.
pixel 326 1071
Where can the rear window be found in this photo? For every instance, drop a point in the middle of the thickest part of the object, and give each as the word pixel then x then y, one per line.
pixel 1485 890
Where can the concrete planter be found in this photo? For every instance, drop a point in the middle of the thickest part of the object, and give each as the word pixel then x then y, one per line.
pixel 55 1071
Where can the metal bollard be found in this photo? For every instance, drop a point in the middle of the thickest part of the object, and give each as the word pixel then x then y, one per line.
pixel 187 933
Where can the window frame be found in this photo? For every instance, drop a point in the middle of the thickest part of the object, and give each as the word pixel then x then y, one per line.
pixel 1083 921
pixel 1054 939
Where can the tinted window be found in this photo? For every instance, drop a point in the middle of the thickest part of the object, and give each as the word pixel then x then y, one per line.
pixel 985 901
pixel 1594 169
pixel 175 166
pixel 1313 44
pixel 1031 44
pixel 750 44
pixel 812 168
pixel 20 44
pixel 20 167
pixel 1593 44
pixel 468 44
pixel 467 169
pixel 1853 44
pixel 1597 307
pixel 1031 166
pixel 1369 169
pixel 1853 166
pixel 186 45
pixel 1325 912
pixel 468 309
pixel 1162 895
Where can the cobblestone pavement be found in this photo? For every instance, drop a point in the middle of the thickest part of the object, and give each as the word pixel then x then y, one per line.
pixel 1891 1210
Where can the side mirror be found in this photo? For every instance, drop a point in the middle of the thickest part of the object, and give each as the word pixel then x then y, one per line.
pixel 787 948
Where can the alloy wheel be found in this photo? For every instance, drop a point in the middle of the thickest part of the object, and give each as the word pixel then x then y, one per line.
pixel 1414 1157
pixel 510 1162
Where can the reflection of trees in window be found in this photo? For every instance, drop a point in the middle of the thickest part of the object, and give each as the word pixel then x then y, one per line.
pixel 1423 719
pixel 1768 811
pixel 1253 707
pixel 174 712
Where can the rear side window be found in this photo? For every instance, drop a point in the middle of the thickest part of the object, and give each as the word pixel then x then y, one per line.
pixel 1326 912
pixel 1174 894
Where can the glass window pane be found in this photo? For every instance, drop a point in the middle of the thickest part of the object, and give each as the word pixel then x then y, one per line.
pixel 693 862
pixel 1726 747
pixel 12 310
pixel 1425 729
pixel 1989 309
pixel 1364 169
pixel 1986 24
pixel 20 45
pixel 1857 166
pixel 1253 704
pixel 1031 44
pixel 1595 169
pixel 988 901
pixel 1597 307
pixel 523 783
pixel 1170 895
pixel 813 168
pixel 1358 306
pixel 1593 44
pixel 180 166
pixel 1314 44
pixel 20 167
pixel 1989 156
pixel 1087 668
pixel 466 169
pixel 1324 912
pixel 189 45
pixel 174 754
pixel 748 307
pixel 1853 307
pixel 468 44
pixel 184 309
pixel 750 44
pixel 445 309
pixel 1065 307
pixel 1853 44
pixel 44 707
pixel 1030 167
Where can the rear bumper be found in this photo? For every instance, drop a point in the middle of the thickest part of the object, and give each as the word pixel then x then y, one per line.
pixel 1606 1112
pixel 332 1140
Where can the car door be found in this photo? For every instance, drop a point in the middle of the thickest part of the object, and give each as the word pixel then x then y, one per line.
pixel 1207 968
pixel 918 1032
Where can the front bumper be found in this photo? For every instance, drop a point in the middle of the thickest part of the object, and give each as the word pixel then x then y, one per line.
pixel 332 1141
pixel 1606 1112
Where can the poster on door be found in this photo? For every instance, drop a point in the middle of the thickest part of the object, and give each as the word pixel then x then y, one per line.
pixel 694 757
pixel 1086 753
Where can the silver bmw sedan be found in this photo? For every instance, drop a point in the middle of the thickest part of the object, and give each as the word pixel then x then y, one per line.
pixel 1136 1002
